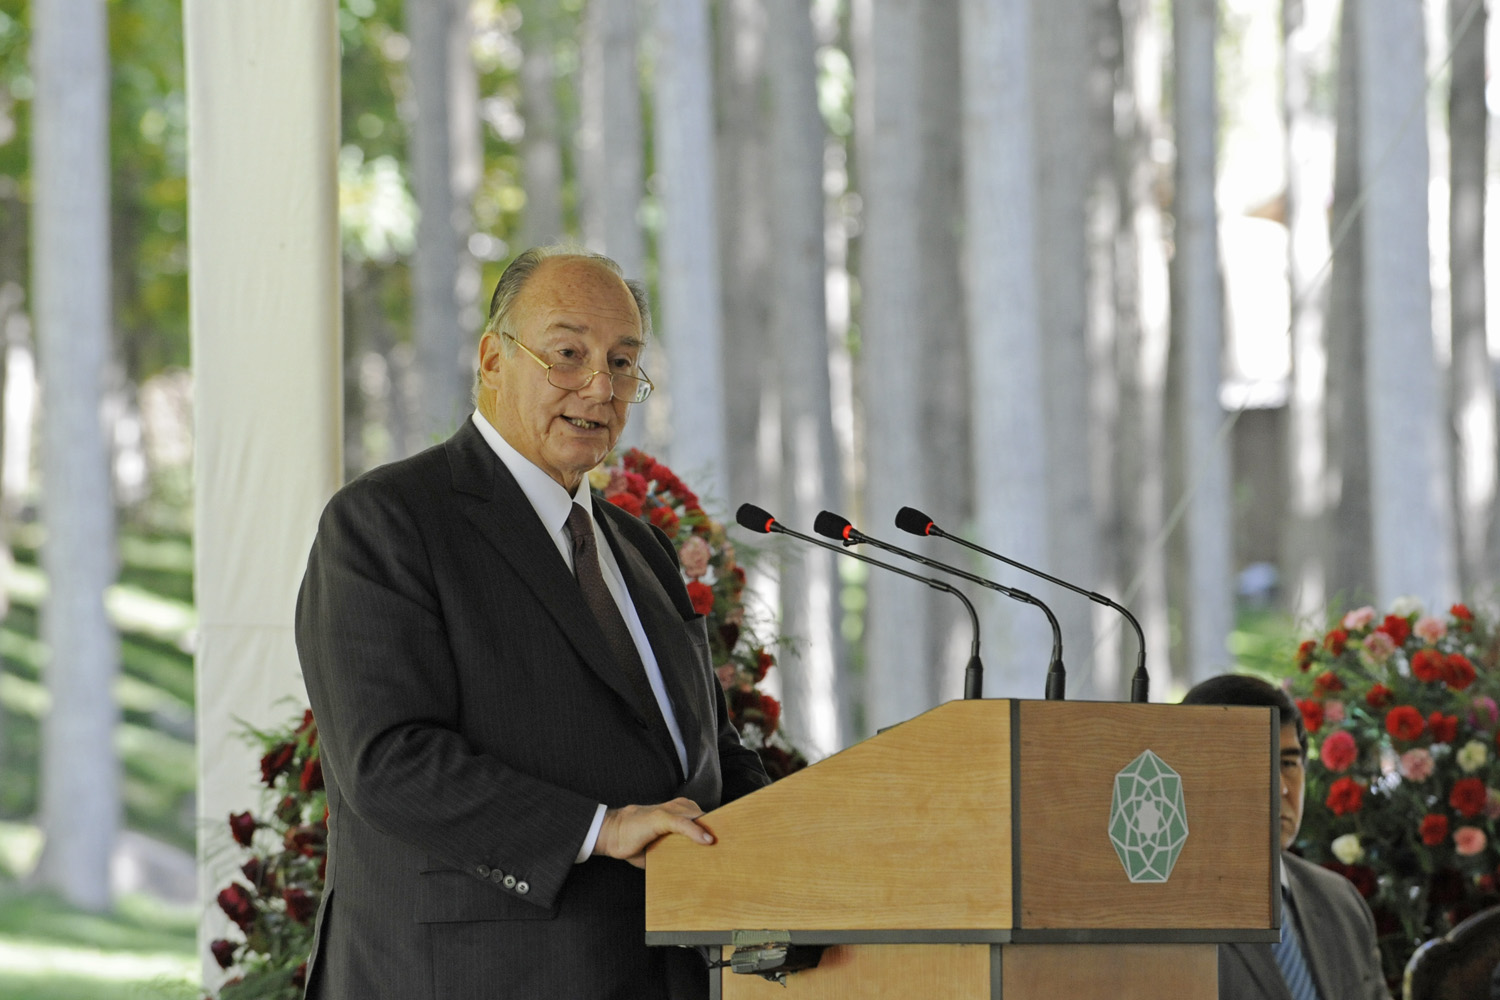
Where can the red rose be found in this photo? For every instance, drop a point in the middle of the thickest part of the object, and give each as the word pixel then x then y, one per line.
pixel 1305 654
pixel 305 839
pixel 1312 714
pixel 301 905
pixel 259 875
pixel 1404 723
pixel 628 502
pixel 1334 641
pixel 665 518
pixel 307 722
pixel 771 709
pixel 223 952
pixel 1399 629
pixel 1458 671
pixel 242 826
pixel 1462 615
pixel 1338 751
pixel 299 976
pixel 1468 796
pixel 1434 829
pixel 1345 796
pixel 312 775
pixel 276 761
pixel 1327 683
pixel 635 485
pixel 702 596
pixel 1379 696
pixel 1444 727
pixel 237 905
pixel 1427 665
pixel 764 661
pixel 1363 876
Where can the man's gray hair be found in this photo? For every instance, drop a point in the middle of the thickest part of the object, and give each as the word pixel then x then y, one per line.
pixel 520 270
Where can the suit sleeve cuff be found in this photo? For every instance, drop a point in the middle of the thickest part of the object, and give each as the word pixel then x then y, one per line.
pixel 587 850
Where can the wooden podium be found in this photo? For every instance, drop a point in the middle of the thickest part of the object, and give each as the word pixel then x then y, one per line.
pixel 969 854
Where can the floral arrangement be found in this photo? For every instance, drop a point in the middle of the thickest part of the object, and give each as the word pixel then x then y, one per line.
pixel 1403 715
pixel 274 902
pixel 640 485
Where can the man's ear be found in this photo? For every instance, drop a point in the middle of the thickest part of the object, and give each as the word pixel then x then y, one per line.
pixel 491 354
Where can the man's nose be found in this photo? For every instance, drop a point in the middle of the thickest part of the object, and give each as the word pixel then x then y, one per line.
pixel 599 387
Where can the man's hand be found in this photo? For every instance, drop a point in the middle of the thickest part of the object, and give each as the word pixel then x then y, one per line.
pixel 627 831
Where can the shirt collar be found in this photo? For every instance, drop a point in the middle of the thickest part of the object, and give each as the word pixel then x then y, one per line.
pixel 551 502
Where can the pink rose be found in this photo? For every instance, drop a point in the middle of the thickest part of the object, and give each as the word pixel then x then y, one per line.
pixel 1416 765
pixel 1379 647
pixel 1333 712
pixel 694 555
pixel 726 675
pixel 1469 840
pixel 1358 618
pixel 1338 751
pixel 1483 713
pixel 1430 629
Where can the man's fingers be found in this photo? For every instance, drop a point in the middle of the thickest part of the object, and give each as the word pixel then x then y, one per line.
pixel 628 830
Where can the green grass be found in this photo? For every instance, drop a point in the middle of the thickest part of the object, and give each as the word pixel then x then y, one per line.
pixel 49 951
pixel 144 949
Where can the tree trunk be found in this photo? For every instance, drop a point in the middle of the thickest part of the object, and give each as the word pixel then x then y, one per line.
pixel 1207 597
pixel 541 148
pixel 887 131
pixel 1409 471
pixel 944 378
pixel 745 176
pixel 80 781
pixel 1064 123
pixel 813 668
pixel 1304 542
pixel 611 147
pixel 1141 290
pixel 1471 385
pixel 444 153
pixel 1010 445
pixel 1351 575
pixel 688 250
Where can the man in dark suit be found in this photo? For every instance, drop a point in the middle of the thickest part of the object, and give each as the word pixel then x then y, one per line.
pixel 500 746
pixel 1328 949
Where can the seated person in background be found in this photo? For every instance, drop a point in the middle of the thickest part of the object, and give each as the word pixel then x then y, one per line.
pixel 1327 949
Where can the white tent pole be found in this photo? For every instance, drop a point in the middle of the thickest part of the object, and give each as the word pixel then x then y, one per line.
pixel 263 93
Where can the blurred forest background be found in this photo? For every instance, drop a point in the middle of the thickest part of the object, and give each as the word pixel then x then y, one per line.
pixel 1183 301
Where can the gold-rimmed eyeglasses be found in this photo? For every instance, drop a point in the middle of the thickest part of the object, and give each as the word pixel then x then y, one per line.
pixel 575 377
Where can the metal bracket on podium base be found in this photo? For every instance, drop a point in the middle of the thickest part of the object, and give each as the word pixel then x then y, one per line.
pixel 771 955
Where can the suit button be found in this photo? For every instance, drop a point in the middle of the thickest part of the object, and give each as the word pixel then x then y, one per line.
pixel 484 871
pixel 496 875
pixel 510 881
pixel 522 888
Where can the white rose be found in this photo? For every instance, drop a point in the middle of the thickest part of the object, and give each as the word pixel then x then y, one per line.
pixel 1472 755
pixel 1405 607
pixel 1348 850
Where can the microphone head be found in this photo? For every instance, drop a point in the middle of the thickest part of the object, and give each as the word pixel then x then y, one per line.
pixel 754 518
pixel 830 525
pixel 913 520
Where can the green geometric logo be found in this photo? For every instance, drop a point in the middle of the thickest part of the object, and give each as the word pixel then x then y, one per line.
pixel 1148 819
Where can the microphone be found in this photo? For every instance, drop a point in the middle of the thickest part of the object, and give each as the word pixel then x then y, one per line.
pixel 830 525
pixel 912 520
pixel 754 518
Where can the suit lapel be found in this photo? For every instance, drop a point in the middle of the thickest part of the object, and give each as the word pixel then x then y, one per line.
pixel 501 514
pixel 664 630
pixel 1311 917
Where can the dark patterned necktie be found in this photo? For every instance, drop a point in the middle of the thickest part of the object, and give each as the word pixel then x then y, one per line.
pixel 611 622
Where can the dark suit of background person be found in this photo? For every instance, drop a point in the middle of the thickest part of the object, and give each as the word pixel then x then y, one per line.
pixel 472 718
pixel 1338 933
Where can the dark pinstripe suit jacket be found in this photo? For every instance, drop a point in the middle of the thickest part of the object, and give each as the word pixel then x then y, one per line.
pixel 471 719
pixel 1339 938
